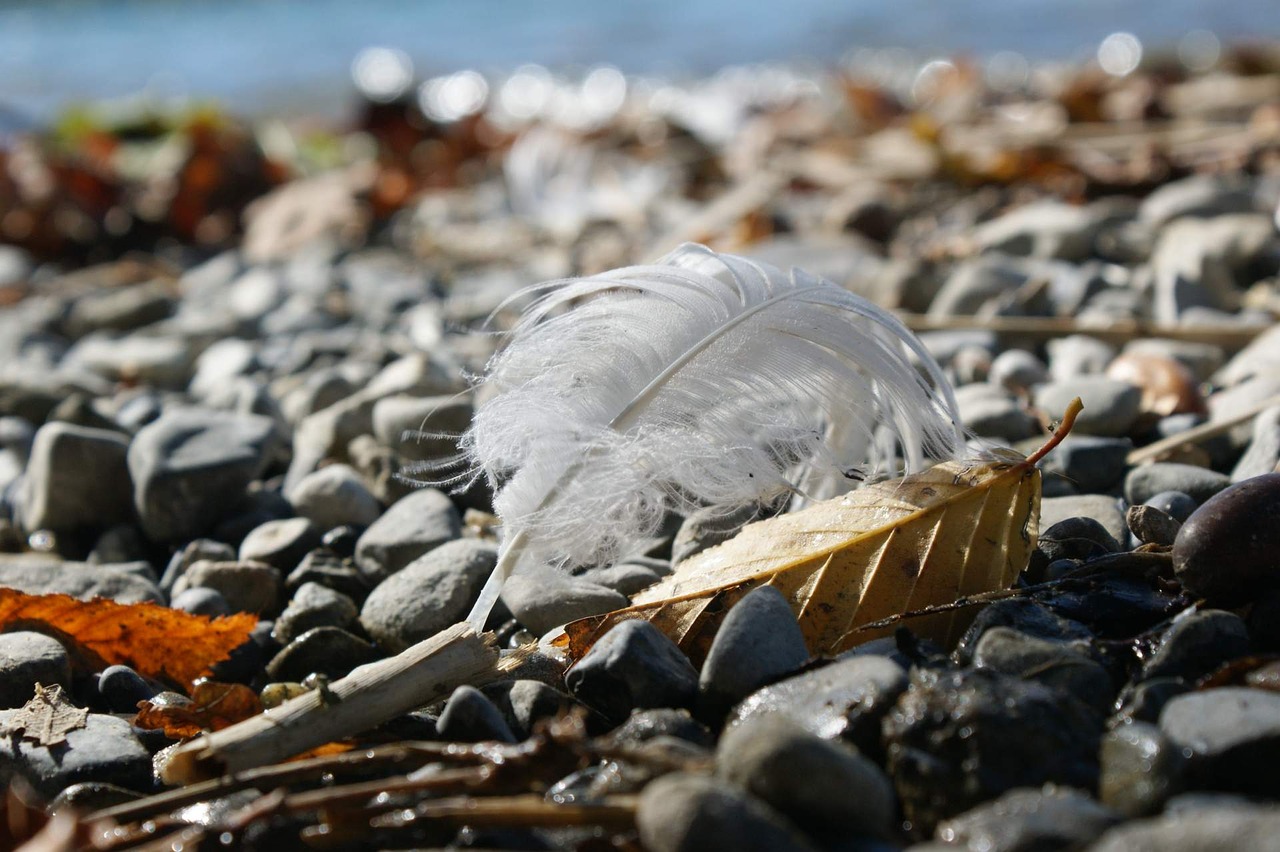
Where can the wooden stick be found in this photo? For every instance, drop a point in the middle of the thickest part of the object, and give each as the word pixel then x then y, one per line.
pixel 1196 434
pixel 614 811
pixel 1229 337
pixel 367 697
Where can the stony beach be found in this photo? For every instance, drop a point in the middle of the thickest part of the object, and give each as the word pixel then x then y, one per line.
pixel 231 354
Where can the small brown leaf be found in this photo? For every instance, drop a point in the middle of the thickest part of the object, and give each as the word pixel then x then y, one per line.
pixel 156 641
pixel 212 707
pixel 954 530
pixel 47 718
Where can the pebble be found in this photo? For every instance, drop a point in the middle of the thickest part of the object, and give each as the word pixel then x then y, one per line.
pixel 280 543
pixel 973 283
pixel 1168 386
pixel 28 658
pixel 992 412
pixel 201 600
pixel 121 688
pixel 470 717
pixel 1076 538
pixel 106 749
pixel 1027 617
pixel 1177 505
pixel 630 577
pixel 848 699
pixel 327 568
pixel 246 586
pixel 1111 407
pixel 76 477
pixel 1092 464
pixel 543 599
pixel 334 496
pixel 1208 829
pixel 1230 735
pixel 416 523
pixel 1017 370
pixel 1076 356
pixel 758 642
pixel 330 651
pixel 1144 482
pixel 957 739
pixel 201 549
pixel 633 666
pixel 1197 644
pixel 645 725
pixel 709 526
pixel 1055 664
pixel 682 812
pixel 1140 769
pixel 1225 552
pixel 1042 229
pixel 39 574
pixel 431 593
pixel 313 605
pixel 524 703
pixel 1263 453
pixel 1149 525
pixel 778 762
pixel 190 465
pixel 1200 196
pixel 422 428
pixel 1100 508
pixel 1026 819
pixel 1142 701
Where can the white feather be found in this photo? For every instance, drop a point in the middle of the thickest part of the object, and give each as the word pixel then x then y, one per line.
pixel 702 379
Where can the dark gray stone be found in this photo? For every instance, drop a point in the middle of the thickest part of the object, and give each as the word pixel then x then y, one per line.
pixel 190 466
pixel 758 642
pixel 645 725
pixel 1055 664
pixel 26 659
pixel 246 586
pixel 848 699
pixel 1080 538
pixel 201 600
pixel 313 605
pixel 200 550
pixel 1197 644
pixel 1140 769
pixel 1226 551
pixel 1143 701
pixel 1102 509
pixel 1052 818
pixel 542 599
pixel 992 412
pixel 710 526
pixel 1110 407
pixel 334 496
pixel 1175 504
pixel 1150 525
pixel 1231 737
pixel 1027 617
pixel 428 595
pixel 630 577
pixel 418 522
pixel 327 568
pixel 781 763
pixel 682 812
pixel 1092 464
pixel 1144 482
pixel 105 749
pixel 121 688
pixel 330 651
pixel 281 543
pixel 76 478
pixel 524 703
pixel 470 717
pixel 957 739
pixel 633 666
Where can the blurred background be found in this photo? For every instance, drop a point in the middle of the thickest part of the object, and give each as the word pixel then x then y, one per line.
pixel 299 55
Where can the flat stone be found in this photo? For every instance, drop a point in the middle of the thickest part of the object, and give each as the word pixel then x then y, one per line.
pixel 37 574
pixel 682 812
pixel 1145 481
pixel 280 543
pixel 629 577
pixel 76 477
pixel 334 496
pixel 758 642
pixel 1231 736
pixel 190 466
pixel 313 605
pixel 246 586
pixel 543 599
pixel 431 593
pixel 779 762
pixel 105 749
pixel 26 659
pixel 328 569
pixel 1048 818
pixel 163 362
pixel 633 666
pixel 418 522
pixel 991 412
pixel 1110 407
pixel 201 549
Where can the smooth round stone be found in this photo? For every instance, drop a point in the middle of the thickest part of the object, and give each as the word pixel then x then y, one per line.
pixel 992 412
pixel 1054 664
pixel 122 688
pixel 313 605
pixel 1076 356
pixel 542 599
pixel 280 543
pixel 201 600
pixel 1140 769
pixel 416 523
pixel 1231 737
pixel 523 703
pixel 1110 407
pixel 1143 701
pixel 778 761
pixel 330 651
pixel 1226 551
pixel 1077 538
pixel 1176 504
pixel 105 749
pixel 1048 818
pixel 759 641
pixel 1197 644
pixel 246 586
pixel 1208 829
pixel 335 496
pixel 1090 463
pixel 645 725
pixel 1144 482
pixel 76 478
pixel 28 658
pixel 682 812
pixel 1017 370
pixel 470 717
pixel 633 666
pixel 1105 510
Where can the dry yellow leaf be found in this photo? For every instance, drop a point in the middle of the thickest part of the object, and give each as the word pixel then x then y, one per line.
pixel 929 539
pixel 47 718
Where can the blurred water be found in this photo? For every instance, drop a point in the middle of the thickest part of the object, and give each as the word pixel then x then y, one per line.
pixel 260 54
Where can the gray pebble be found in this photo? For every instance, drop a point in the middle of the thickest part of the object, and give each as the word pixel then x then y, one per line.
pixel 1140 769
pixel 1091 463
pixel 759 641
pixel 1144 482
pixel 327 568
pixel 330 651
pixel 1076 356
pixel 542 599
pixel 975 282
pixel 26 659
pixel 1027 617
pixel 645 725
pixel 121 688
pixel 1100 508
pixel 334 496
pixel 992 412
pixel 1017 370
pixel 1023 820
pixel 280 543
pixel 708 527
pixel 682 812
pixel 524 703
pixel 199 550
pixel 422 428
pixel 627 578
pixel 201 600
pixel 1175 504
pixel 1050 229
pixel 105 749
pixel 633 666
pixel 39 574
pixel 1110 407
pixel 470 717
pixel 313 605
pixel 1263 453
pixel 76 478
pixel 428 595
pixel 1199 195
pixel 1055 664
pixel 781 763
pixel 1149 525
pixel 1231 736
pixel 1142 701
pixel 1209 829
pixel 246 586
pixel 1197 644
pixel 418 522
pixel 190 465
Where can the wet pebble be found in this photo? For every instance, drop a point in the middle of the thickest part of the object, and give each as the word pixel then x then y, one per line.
pixel 1029 819
pixel 1176 504
pixel 1197 644
pixel 330 651
pixel 1205 830
pixel 1230 735
pixel 121 688
pixel 1055 664
pixel 470 717
pixel 1140 769
pixel 106 749
pixel 758 642
pixel 633 666
pixel 683 812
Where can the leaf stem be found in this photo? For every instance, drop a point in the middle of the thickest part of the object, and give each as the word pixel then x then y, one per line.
pixel 1064 428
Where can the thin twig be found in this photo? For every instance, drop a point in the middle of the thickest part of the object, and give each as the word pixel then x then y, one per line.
pixel 1196 434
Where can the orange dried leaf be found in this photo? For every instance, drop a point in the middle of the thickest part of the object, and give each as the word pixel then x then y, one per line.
pixel 212 707
pixel 156 641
